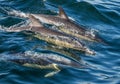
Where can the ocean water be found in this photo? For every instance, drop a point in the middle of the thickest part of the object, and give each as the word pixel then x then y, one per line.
pixel 102 16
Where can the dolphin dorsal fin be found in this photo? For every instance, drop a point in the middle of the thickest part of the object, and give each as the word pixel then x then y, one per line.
pixel 34 21
pixel 62 13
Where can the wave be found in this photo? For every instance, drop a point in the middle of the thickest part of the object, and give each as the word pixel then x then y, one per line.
pixel 91 11
pixel 25 5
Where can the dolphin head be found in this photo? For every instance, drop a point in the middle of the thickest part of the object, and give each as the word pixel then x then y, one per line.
pixel 80 46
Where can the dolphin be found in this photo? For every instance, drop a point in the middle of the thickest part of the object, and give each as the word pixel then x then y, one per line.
pixel 64 51
pixel 44 61
pixel 52 36
pixel 64 24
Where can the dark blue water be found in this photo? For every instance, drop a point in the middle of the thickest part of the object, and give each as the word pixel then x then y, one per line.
pixel 102 16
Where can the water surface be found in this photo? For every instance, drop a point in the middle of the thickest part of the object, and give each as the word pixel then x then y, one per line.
pixel 102 16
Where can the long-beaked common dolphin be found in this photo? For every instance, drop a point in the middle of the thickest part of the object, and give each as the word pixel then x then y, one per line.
pixel 44 61
pixel 64 24
pixel 62 51
pixel 53 36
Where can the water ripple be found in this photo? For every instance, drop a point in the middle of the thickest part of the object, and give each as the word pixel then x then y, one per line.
pixel 100 15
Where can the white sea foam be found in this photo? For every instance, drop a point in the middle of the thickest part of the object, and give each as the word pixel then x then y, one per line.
pixel 4 57
pixel 91 32
pixel 14 12
pixel 18 13
pixel 3 28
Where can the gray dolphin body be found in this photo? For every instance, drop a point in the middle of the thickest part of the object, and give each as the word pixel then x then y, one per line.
pixel 44 61
pixel 53 36
pixel 64 24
